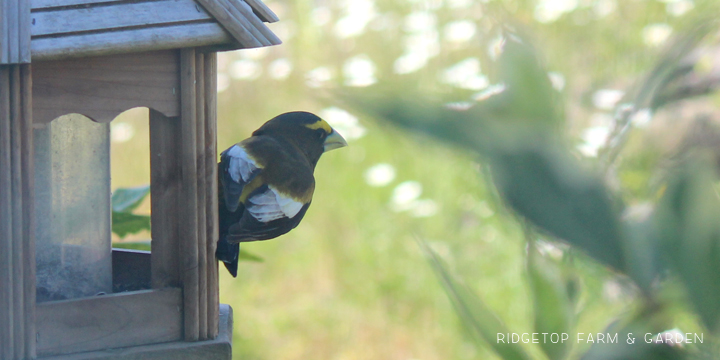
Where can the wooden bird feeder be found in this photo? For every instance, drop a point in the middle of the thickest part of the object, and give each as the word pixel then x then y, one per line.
pixel 64 293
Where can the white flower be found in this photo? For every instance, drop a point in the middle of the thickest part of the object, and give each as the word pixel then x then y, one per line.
pixel 380 175
pixel 245 69
pixel 343 122
pixel 359 71
pixel 656 34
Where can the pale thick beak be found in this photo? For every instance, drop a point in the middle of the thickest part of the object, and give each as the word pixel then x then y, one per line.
pixel 334 141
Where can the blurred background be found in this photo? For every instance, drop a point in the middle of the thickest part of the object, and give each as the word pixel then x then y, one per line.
pixel 352 282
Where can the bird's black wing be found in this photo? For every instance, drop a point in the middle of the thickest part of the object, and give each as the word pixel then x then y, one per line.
pixel 265 218
pixel 237 169
pixel 226 252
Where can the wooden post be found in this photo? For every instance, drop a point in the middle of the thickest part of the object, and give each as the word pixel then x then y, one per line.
pixel 188 204
pixel 17 305
pixel 28 214
pixel 18 290
pixel 164 195
pixel 15 32
pixel 201 194
pixel 211 200
pixel 6 223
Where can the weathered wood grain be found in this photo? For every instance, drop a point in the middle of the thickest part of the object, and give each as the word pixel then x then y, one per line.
pixel 239 27
pixel 262 11
pixel 17 209
pixel 201 200
pixel 14 32
pixel 133 40
pixel 218 349
pixel 165 194
pixel 258 29
pixel 24 31
pixel 211 201
pixel 122 15
pixel 109 321
pixel 28 214
pixel 6 245
pixel 188 205
pixel 103 87
pixel 9 27
pixel 235 8
pixel 45 4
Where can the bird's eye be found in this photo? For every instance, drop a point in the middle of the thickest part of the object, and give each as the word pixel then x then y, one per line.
pixel 321 133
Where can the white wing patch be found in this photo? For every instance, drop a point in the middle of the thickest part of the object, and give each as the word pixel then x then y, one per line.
pixel 241 164
pixel 272 205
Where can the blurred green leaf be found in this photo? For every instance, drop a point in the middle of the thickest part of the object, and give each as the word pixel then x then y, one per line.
pixel 640 350
pixel 632 340
pixel 643 255
pixel 552 307
pixel 675 76
pixel 474 314
pixel 124 201
pixel 517 131
pixel 246 256
pixel 544 184
pixel 133 245
pixel 125 223
pixel 128 199
pixel 529 96
pixel 688 226
pixel 522 105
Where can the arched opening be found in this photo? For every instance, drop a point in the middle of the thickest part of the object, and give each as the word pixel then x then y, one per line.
pixel 72 182
pixel 79 164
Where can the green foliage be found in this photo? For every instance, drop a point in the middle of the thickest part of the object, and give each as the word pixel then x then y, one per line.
pixel 124 201
pixel 689 233
pixel 477 317
pixel 669 81
pixel 124 222
pixel 243 255
pixel 128 199
pixel 133 245
pixel 553 308
pixel 517 133
pixel 532 170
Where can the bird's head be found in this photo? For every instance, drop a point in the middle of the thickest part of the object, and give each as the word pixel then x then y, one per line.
pixel 311 134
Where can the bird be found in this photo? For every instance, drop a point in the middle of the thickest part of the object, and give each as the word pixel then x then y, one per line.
pixel 266 182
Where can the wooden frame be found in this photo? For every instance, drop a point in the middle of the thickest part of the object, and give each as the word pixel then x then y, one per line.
pixel 17 253
pixel 77 28
pixel 99 58
pixel 15 32
pixel 217 349
pixel 183 155
pixel 96 323
pixel 102 87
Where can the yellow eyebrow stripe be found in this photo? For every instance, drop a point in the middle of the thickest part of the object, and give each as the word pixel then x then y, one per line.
pixel 321 124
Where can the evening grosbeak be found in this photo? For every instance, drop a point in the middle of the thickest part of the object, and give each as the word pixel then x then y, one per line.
pixel 266 183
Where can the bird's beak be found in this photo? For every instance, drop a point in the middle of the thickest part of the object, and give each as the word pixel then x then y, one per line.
pixel 334 141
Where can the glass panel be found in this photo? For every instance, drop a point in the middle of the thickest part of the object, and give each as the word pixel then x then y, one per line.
pixel 72 187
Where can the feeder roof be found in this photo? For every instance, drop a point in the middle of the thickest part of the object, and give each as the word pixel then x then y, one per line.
pixel 55 29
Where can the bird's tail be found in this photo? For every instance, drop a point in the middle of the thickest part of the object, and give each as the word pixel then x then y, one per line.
pixel 228 254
